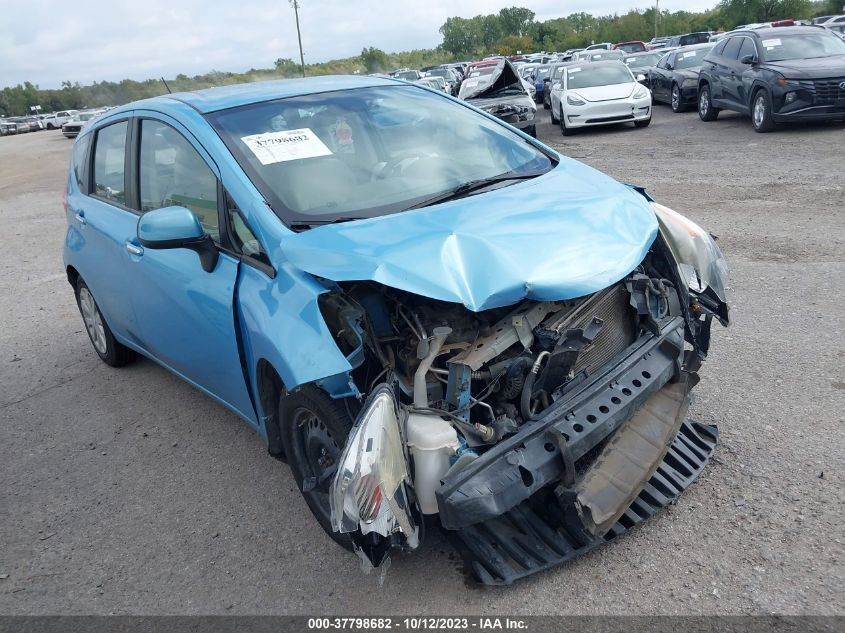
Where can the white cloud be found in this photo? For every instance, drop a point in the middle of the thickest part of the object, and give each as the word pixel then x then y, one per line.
pixel 93 40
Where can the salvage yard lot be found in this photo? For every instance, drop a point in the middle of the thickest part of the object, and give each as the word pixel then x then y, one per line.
pixel 127 491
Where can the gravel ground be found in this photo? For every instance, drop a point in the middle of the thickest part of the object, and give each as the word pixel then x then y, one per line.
pixel 127 491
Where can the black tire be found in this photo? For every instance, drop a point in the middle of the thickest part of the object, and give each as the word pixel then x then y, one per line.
pixel 675 100
pixel 763 122
pixel 563 129
pixel 706 111
pixel 643 123
pixel 314 430
pixel 546 105
pixel 99 333
pixel 531 131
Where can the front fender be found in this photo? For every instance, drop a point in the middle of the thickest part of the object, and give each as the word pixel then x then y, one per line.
pixel 281 322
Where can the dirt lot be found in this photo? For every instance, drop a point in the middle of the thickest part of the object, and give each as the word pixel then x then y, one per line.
pixel 126 491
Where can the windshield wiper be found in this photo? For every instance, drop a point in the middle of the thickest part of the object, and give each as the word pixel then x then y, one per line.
pixel 468 187
pixel 310 224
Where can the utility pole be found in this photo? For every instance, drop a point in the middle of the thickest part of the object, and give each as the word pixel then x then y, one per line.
pixel 295 4
pixel 656 13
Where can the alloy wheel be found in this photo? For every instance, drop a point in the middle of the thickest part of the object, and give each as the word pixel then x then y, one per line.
pixel 93 320
pixel 759 110
pixel 676 98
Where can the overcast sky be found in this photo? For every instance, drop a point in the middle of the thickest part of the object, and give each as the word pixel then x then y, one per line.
pixel 46 42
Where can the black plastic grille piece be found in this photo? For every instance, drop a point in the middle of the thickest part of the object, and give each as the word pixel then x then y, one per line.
pixel 531 537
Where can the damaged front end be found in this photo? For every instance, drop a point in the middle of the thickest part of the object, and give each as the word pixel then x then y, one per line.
pixel 536 431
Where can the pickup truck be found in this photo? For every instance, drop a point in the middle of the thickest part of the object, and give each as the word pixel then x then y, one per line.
pixel 57 119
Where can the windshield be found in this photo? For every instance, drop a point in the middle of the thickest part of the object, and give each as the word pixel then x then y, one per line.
pixel 690 59
pixel 643 61
pixel 591 76
pixel 367 152
pixel 439 72
pixel 630 47
pixel 408 75
pixel 802 46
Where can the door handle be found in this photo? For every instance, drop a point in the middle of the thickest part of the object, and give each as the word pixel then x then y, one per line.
pixel 134 248
pixel 80 217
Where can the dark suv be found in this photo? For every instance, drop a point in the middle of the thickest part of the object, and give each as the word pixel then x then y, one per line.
pixel 775 75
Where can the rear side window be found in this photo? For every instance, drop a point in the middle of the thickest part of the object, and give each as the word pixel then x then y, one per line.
pixel 172 173
pixel 80 160
pixel 109 161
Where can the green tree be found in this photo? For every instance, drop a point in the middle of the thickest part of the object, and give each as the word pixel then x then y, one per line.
pixel 461 37
pixel 516 20
pixel 375 60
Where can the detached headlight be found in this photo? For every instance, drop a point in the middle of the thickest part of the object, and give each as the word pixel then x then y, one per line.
pixel 368 492
pixel 689 83
pixel 700 260
pixel 640 93
pixel 575 101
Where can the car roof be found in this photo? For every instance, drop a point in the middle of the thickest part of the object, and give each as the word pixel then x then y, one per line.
pixel 769 31
pixel 641 53
pixel 223 97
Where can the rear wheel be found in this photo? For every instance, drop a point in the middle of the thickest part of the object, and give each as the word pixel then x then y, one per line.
pixel 677 104
pixel 108 349
pixel 761 112
pixel 706 111
pixel 314 432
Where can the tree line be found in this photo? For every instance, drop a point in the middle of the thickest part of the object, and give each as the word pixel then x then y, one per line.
pixel 510 30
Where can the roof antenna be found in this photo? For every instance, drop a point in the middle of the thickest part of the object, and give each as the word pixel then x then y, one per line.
pixel 169 91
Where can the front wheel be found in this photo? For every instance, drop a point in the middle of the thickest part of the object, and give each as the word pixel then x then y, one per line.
pixel 761 112
pixel 563 129
pixel 706 111
pixel 643 123
pixel 555 120
pixel 677 103
pixel 314 432
pixel 108 349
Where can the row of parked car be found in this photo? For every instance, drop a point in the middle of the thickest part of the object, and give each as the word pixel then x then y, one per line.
pixel 773 74
pixel 70 122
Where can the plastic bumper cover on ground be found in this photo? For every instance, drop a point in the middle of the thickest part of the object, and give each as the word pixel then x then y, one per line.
pixel 532 536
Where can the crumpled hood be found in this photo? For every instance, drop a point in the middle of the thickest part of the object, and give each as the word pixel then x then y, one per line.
pixel 503 76
pixel 565 234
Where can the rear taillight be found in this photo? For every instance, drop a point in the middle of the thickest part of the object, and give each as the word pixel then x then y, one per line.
pixel 64 198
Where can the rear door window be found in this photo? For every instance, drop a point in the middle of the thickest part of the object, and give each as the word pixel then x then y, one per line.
pixel 109 163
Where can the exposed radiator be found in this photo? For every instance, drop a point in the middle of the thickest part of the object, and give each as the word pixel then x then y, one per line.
pixel 612 306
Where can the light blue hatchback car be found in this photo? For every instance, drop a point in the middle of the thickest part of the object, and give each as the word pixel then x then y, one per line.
pixel 421 309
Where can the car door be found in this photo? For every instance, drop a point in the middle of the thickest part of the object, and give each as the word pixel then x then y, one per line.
pixel 185 315
pixel 730 71
pixel 746 73
pixel 100 215
pixel 659 77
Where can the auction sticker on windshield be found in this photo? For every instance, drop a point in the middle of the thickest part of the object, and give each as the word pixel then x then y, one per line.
pixel 278 147
pixel 771 43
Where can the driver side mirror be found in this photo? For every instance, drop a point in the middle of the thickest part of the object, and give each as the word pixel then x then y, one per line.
pixel 748 59
pixel 177 227
pixel 668 66
pixel 640 77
